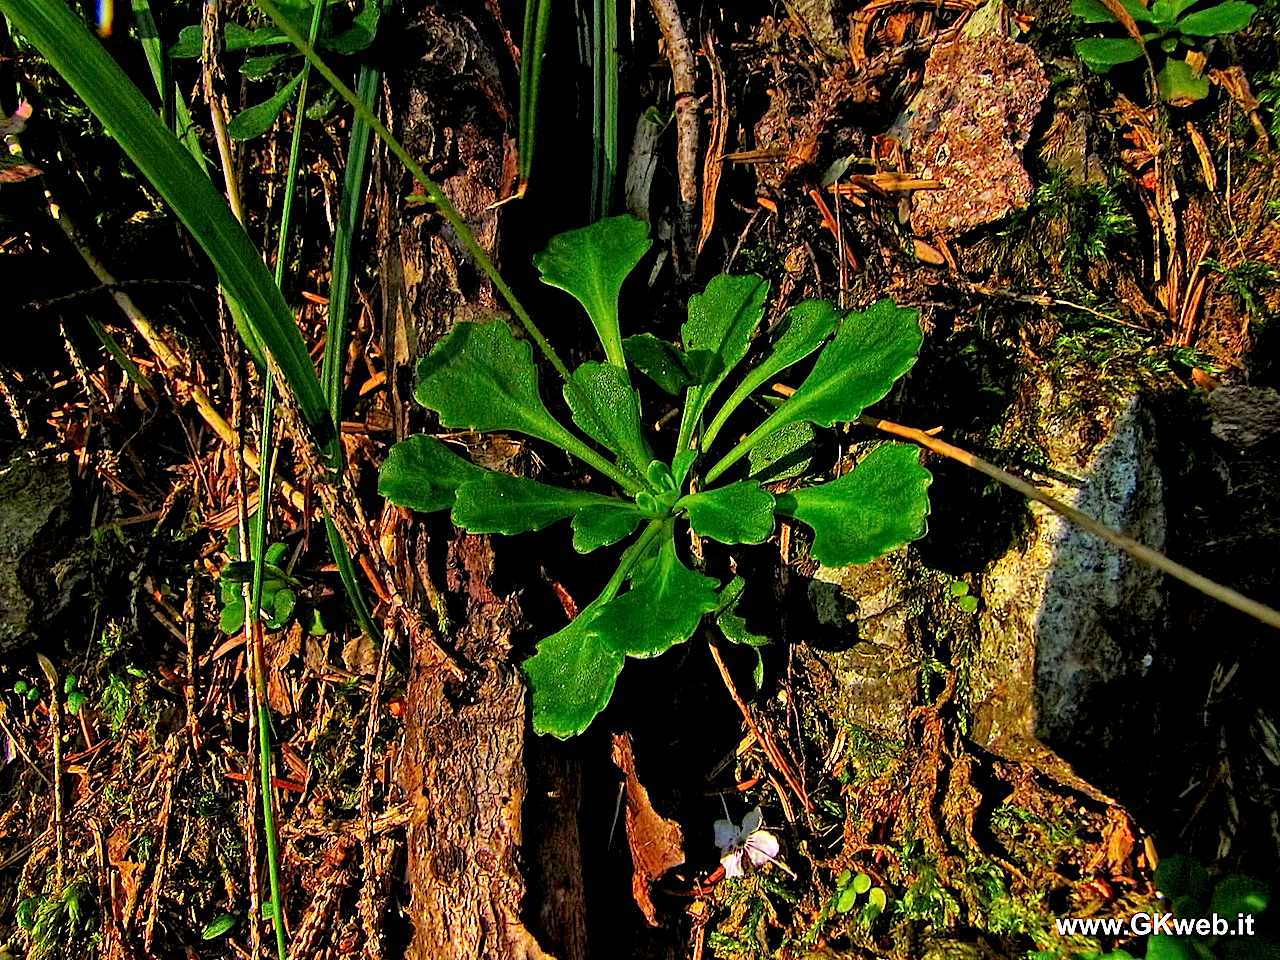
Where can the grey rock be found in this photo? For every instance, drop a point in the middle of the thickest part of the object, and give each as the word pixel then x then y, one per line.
pixel 1243 416
pixel 1070 622
pixel 35 511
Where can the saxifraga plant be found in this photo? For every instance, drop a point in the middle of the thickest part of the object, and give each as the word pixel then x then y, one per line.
pixel 480 377
pixel 1165 26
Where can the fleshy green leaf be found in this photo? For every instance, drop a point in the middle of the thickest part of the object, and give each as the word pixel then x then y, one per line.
pixel 359 35
pixel 671 368
pixel 730 622
pixel 612 416
pixel 1236 894
pixel 498 503
pixel 722 320
pixel 1100 54
pixel 600 525
pixel 784 454
pixel 572 676
pixel 804 329
pixel 662 608
pixel 282 606
pixel 187 46
pixel 232 617
pixel 660 477
pixel 1179 84
pixel 737 513
pixel 1167 11
pixel 1179 877
pixel 219 926
pixel 256 120
pixel 1218 20
pixel 242 38
pixel 681 464
pixel 423 474
pixel 1169 948
pixel 255 68
pixel 1094 11
pixel 591 265
pixel 877 507
pixel 871 350
pixel 482 378
pixel 660 361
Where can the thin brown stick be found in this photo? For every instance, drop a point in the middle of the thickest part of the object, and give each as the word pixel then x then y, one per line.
pixel 367 906
pixel 55 730
pixel 762 736
pixel 1138 551
pixel 683 77
pixel 189 610
pixel 162 859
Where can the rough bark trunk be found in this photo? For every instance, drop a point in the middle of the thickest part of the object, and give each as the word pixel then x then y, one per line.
pixel 463 769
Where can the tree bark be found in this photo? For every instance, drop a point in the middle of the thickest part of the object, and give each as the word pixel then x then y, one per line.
pixel 463 768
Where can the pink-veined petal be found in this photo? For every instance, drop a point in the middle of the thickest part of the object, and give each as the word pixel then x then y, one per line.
pixel 732 863
pixel 761 847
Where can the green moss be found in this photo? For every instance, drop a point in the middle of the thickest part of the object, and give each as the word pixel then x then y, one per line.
pixel 1065 231
pixel 60 924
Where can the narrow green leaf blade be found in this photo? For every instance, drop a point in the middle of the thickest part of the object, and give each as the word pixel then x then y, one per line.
pixel 480 377
pixel 498 503
pixel 256 120
pixel 611 415
pixel 1100 54
pixel 738 513
pixel 662 608
pixel 71 50
pixel 601 525
pixel 537 18
pixel 572 677
pixel 877 507
pixel 1217 20
pixel 591 264
pixel 804 329
pixel 423 474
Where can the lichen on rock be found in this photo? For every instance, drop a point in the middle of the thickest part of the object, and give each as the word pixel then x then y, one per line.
pixel 968 127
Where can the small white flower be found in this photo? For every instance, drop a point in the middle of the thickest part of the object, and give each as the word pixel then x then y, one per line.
pixel 757 845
